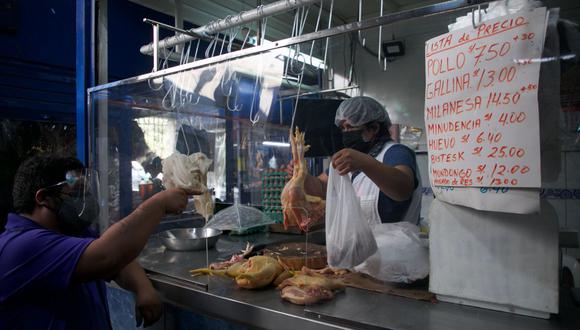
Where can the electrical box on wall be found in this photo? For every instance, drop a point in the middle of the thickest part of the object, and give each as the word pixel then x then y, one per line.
pixel 393 49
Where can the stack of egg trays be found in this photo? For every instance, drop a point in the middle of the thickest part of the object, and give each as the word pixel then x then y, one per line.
pixel 273 182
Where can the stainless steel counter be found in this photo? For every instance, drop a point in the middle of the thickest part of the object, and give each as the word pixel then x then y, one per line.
pixel 218 296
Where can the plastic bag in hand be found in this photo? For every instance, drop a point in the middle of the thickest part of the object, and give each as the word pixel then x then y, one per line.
pixel 187 172
pixel 402 256
pixel 349 239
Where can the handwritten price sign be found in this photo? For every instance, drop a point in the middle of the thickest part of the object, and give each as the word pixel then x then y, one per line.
pixel 481 103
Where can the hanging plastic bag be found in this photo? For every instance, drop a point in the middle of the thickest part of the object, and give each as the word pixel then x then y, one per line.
pixel 349 239
pixel 402 256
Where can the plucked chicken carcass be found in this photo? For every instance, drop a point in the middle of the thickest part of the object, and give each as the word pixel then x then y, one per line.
pixel 256 272
pixel 308 287
pixel 299 208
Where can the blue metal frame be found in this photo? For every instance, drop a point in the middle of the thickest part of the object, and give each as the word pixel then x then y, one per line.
pixel 85 71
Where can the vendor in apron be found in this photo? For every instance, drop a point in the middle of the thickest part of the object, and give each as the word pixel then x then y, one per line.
pixel 384 173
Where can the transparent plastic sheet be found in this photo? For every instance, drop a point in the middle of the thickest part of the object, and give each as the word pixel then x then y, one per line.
pixel 239 218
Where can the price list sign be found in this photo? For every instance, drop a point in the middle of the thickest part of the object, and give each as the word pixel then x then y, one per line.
pixel 481 103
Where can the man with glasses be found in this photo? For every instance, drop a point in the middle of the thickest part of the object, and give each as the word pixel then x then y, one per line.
pixel 53 267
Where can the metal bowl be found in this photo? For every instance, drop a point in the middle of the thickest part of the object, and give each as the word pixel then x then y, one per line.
pixel 188 239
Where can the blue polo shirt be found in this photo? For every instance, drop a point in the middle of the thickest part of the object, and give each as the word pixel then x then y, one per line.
pixel 36 292
pixel 391 210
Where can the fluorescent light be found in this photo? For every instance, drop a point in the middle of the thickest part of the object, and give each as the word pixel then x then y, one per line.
pixel 545 59
pixel 276 144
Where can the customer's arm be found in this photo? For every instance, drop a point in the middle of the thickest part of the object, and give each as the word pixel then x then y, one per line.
pixel 107 255
pixel 148 306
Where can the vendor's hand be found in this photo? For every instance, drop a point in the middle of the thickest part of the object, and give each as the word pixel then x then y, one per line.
pixel 148 307
pixel 348 160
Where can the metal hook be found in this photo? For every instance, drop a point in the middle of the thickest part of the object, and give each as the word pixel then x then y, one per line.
pixel 316 29
pixel 223 42
pixel 208 49
pixel 164 102
pixel 254 119
pixel 237 107
pixel 296 58
pixel 473 17
pixel 380 36
pixel 245 38
pixel 361 39
pixel 233 36
pixel 329 25
pixel 230 79
pixel 196 49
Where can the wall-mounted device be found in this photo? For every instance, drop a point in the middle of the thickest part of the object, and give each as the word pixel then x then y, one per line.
pixel 392 49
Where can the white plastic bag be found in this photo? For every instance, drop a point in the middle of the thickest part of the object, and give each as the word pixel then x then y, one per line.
pixel 187 172
pixel 402 256
pixel 349 239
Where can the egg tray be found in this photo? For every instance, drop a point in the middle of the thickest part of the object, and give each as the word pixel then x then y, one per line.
pixel 273 183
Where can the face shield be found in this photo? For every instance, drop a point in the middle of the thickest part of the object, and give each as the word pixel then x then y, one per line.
pixel 80 202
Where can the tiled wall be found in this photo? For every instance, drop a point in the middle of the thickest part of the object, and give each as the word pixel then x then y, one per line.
pixel 563 194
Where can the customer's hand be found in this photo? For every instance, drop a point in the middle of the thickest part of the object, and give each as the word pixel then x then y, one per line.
pixel 174 200
pixel 148 307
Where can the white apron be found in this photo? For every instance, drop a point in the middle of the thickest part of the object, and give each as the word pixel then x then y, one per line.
pixel 368 193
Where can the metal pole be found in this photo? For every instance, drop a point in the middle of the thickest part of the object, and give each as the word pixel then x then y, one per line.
pixel 98 120
pixel 155 48
pixel 85 61
pixel 320 92
pixel 232 21
pixel 178 16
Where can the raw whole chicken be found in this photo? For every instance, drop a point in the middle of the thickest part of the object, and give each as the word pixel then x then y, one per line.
pixel 256 272
pixel 308 287
pixel 299 208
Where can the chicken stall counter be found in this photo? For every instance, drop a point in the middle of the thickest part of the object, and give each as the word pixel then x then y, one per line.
pixel 220 297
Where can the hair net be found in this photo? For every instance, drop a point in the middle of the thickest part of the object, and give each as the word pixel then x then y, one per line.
pixel 360 110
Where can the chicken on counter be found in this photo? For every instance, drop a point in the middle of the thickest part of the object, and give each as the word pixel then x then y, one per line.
pixel 308 287
pixel 299 208
pixel 299 287
pixel 254 273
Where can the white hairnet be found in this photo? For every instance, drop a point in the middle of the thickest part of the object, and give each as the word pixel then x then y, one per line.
pixel 360 110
